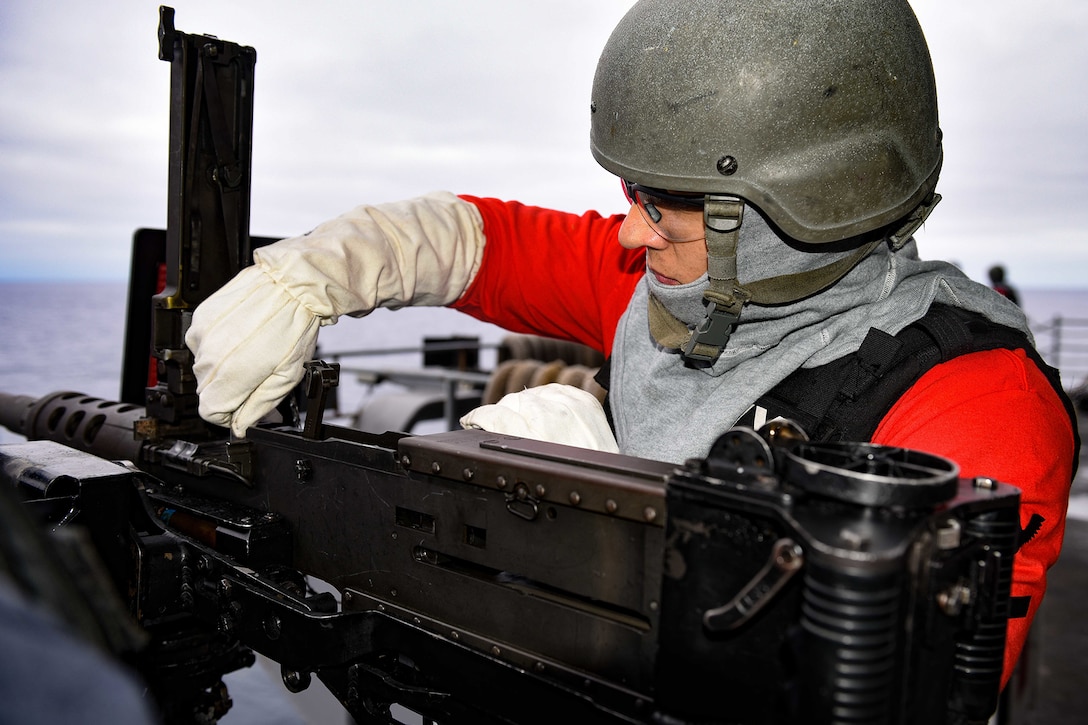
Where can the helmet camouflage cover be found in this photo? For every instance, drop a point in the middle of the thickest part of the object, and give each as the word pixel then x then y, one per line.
pixel 820 113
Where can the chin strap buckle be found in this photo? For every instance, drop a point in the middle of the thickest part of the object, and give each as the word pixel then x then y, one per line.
pixel 711 335
pixel 724 298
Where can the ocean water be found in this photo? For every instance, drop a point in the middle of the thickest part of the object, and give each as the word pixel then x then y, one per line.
pixel 69 335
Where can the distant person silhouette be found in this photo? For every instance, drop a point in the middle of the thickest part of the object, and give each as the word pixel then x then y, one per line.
pixel 997 281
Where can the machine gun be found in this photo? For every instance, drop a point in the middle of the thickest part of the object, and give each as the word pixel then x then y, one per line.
pixel 474 577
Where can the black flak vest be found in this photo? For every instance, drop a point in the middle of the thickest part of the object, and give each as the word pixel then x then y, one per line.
pixel 845 400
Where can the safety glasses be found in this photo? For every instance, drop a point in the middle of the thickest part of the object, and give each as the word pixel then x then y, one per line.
pixel 677 218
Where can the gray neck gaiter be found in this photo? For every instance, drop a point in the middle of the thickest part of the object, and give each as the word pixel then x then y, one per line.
pixel 665 410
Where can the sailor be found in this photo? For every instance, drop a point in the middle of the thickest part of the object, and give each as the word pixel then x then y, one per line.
pixel 778 157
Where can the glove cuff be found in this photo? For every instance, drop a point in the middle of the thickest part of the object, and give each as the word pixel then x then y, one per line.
pixel 423 251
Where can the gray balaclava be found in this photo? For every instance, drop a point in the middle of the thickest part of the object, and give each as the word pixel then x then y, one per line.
pixel 668 410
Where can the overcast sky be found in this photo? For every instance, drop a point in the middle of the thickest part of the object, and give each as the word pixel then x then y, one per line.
pixel 371 101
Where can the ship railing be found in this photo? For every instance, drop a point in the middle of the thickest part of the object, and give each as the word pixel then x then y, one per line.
pixel 450 380
pixel 1063 343
pixel 447 383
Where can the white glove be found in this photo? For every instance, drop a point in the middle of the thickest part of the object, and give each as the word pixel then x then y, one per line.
pixel 554 412
pixel 251 338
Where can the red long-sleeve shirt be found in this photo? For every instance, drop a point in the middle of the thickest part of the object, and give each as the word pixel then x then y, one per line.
pixel 993 413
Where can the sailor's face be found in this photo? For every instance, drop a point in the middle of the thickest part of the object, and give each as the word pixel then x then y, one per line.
pixel 672 263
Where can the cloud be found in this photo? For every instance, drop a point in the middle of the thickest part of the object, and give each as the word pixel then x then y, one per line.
pixel 371 101
pixel 1013 96
pixel 354 102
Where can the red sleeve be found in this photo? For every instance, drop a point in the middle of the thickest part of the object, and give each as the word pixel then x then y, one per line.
pixel 995 414
pixel 552 273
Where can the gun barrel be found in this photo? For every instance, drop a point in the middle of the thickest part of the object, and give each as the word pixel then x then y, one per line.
pixel 104 428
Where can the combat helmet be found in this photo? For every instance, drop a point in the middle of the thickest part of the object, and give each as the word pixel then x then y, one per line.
pixel 822 114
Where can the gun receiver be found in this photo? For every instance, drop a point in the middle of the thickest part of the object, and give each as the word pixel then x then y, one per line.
pixel 483 578
pixel 478 578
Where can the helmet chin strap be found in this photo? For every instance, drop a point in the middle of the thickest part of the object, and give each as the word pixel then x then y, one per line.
pixel 725 297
